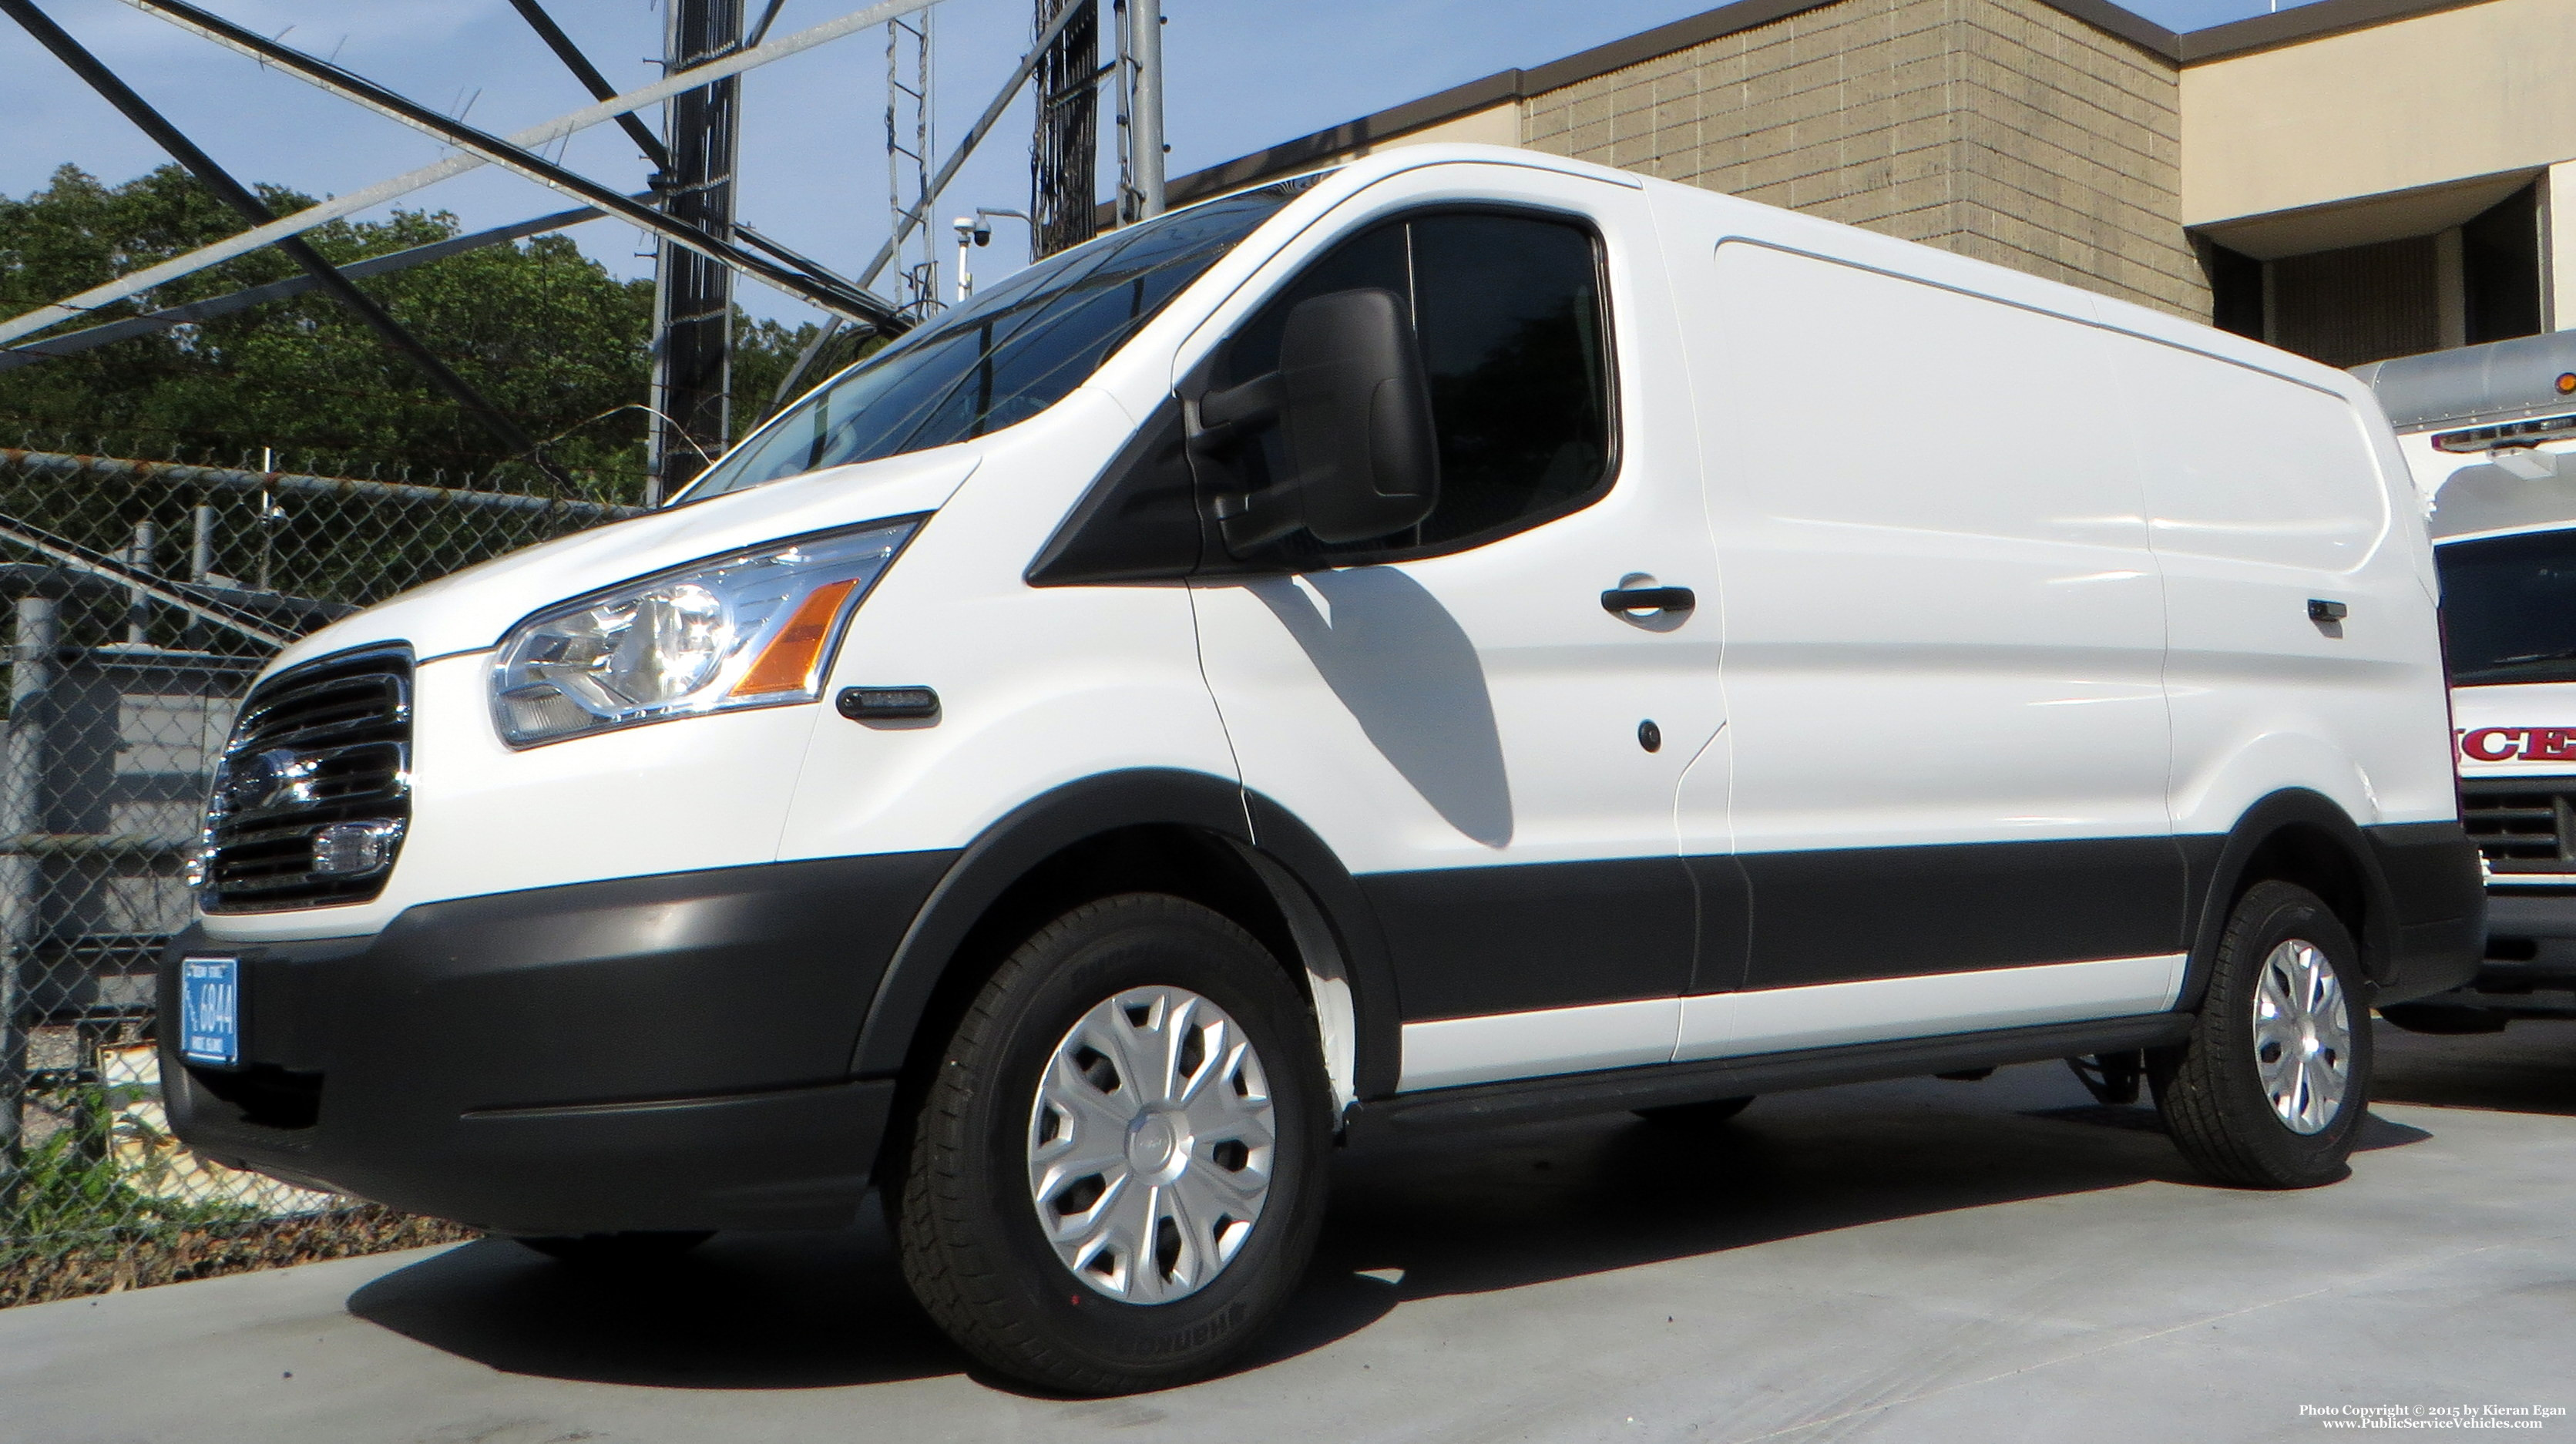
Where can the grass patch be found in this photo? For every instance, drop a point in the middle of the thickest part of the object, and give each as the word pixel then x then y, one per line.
pixel 76 1227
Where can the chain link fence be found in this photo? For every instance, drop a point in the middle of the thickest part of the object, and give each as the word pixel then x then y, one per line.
pixel 141 599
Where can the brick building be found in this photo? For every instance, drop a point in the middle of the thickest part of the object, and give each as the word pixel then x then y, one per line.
pixel 2352 179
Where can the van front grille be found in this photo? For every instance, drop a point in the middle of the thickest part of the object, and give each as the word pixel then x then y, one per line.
pixel 2522 824
pixel 314 790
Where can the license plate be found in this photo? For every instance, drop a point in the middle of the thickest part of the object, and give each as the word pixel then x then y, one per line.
pixel 210 1010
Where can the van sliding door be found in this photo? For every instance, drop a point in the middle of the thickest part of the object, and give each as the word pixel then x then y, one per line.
pixel 1945 638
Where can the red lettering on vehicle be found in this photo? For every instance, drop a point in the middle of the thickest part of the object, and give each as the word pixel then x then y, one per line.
pixel 2476 745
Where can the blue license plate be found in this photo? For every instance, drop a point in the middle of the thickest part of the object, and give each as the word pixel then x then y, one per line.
pixel 210 1010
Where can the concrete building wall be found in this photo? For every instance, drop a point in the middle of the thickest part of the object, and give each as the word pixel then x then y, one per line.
pixel 2001 129
pixel 2558 231
pixel 2412 102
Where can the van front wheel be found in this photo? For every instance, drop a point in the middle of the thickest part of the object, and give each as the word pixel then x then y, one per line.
pixel 2272 1087
pixel 1117 1171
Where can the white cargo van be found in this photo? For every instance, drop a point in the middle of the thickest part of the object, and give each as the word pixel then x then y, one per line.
pixel 2490 434
pixel 1469 637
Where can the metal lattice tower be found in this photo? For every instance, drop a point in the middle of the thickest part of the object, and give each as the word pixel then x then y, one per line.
pixel 1063 156
pixel 910 144
pixel 693 295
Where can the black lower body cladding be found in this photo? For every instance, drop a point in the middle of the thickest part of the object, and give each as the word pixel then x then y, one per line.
pixel 648 1053
pixel 2436 931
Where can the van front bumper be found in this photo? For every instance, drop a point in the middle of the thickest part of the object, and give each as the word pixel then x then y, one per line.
pixel 668 1052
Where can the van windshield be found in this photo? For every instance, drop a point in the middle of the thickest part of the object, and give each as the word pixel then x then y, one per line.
pixel 2509 608
pixel 1001 358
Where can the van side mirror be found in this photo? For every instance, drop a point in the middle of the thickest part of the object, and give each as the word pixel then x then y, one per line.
pixel 1353 408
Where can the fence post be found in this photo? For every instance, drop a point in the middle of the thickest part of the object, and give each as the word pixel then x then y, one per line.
pixel 138 604
pixel 32 641
pixel 201 565
pixel 201 543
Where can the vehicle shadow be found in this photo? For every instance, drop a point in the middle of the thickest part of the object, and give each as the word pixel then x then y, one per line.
pixel 2530 1067
pixel 1412 679
pixel 1411 1218
pixel 744 1311
pixel 1472 1214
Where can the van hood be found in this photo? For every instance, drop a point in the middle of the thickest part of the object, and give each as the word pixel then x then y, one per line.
pixel 2523 730
pixel 467 611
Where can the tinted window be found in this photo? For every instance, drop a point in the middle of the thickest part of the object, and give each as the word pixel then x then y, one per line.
pixel 1509 313
pixel 2509 608
pixel 1002 358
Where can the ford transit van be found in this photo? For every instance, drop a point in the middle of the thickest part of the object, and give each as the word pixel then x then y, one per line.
pixel 1465 638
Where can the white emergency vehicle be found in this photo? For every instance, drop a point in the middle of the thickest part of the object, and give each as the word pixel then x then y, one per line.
pixel 1468 637
pixel 2490 435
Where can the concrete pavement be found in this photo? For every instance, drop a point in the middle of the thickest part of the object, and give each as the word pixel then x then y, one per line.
pixel 1909 1261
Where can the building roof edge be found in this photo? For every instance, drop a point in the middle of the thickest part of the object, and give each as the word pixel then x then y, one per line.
pixel 1491 90
pixel 1290 156
pixel 2260 32
pixel 2311 21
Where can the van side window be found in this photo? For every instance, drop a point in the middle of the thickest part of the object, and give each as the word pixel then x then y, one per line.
pixel 1510 315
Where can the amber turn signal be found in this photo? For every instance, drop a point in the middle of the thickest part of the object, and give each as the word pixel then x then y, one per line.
pixel 787 663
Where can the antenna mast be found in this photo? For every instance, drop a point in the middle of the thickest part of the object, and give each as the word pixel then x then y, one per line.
pixel 693 295
pixel 909 114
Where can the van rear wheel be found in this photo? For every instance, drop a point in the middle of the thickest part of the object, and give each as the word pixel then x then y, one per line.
pixel 1117 1171
pixel 2271 1088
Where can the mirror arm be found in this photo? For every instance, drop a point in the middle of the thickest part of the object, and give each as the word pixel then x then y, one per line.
pixel 1222 421
pixel 1241 408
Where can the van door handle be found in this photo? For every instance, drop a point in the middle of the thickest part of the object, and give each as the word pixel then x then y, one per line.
pixel 1619 600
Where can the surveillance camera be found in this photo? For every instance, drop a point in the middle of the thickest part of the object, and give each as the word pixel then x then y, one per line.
pixel 983 235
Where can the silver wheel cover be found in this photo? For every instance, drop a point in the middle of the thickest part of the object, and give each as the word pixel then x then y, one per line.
pixel 2302 1036
pixel 1151 1144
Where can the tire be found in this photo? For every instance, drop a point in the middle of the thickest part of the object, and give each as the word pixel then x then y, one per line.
pixel 2247 1098
pixel 1696 1115
pixel 609 1251
pixel 1068 1277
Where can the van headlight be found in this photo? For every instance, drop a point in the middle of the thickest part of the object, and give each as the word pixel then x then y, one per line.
pixel 753 629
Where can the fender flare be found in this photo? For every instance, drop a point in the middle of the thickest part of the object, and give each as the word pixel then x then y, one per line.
pixel 1059 819
pixel 2215 878
pixel 1379 1044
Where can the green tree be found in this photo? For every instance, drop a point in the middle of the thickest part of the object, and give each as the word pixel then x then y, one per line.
pixel 543 331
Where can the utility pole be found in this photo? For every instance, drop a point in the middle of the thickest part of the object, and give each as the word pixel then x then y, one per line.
pixel 692 295
pixel 1140 109
pixel 1064 155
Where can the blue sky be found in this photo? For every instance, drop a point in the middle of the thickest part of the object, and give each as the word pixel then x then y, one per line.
pixel 1243 74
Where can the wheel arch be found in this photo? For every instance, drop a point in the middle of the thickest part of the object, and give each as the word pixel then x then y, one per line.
pixel 2297 836
pixel 1195 835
